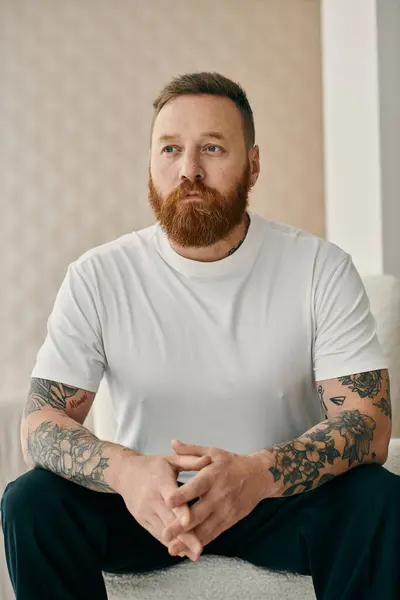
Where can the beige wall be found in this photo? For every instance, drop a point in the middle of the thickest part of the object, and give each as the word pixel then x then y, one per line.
pixel 77 80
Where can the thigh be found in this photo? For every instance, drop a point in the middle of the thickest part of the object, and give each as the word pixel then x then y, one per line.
pixel 130 547
pixel 301 533
pixel 271 536
pixel 41 499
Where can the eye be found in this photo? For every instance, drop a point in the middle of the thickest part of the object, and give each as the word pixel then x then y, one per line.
pixel 214 146
pixel 167 148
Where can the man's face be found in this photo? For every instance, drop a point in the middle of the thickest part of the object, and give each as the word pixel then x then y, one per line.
pixel 198 147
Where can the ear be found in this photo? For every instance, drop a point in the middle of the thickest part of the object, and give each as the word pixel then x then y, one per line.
pixel 254 159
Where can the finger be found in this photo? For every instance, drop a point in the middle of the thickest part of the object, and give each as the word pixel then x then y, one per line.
pixel 211 528
pixel 198 513
pixel 175 549
pixel 182 515
pixel 188 537
pixel 157 525
pixel 182 512
pixel 199 485
pixel 190 544
pixel 188 463
pixel 178 525
pixel 188 541
pixel 193 449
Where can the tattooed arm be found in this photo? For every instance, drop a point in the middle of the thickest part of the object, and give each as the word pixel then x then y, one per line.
pixel 356 430
pixel 53 437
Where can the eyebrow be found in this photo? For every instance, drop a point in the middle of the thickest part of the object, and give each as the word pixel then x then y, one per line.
pixel 210 134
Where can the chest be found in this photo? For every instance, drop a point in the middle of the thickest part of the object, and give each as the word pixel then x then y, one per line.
pixel 221 337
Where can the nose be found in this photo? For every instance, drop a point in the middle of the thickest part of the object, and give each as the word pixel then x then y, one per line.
pixel 191 170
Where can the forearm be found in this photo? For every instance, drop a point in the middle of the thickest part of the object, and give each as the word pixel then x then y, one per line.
pixel 321 453
pixel 56 442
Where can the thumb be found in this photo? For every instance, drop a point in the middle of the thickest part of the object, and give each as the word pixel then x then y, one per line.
pixel 194 449
pixel 188 463
pixel 183 514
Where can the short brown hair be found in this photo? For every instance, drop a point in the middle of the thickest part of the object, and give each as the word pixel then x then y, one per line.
pixel 209 83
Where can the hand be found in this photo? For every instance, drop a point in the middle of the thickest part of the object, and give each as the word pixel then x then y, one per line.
pixel 229 489
pixel 146 482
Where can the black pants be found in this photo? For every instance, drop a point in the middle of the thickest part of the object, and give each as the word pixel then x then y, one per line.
pixel 59 537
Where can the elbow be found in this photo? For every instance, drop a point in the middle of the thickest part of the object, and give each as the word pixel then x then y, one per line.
pixel 25 442
pixel 23 432
pixel 379 447
pixel 380 454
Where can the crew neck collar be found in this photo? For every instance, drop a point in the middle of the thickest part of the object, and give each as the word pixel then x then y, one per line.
pixel 218 268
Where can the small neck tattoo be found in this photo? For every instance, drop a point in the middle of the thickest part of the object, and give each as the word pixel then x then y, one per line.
pixel 242 240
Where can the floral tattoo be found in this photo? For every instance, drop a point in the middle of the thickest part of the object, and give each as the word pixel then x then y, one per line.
pixel 74 454
pixel 385 406
pixel 46 393
pixel 367 384
pixel 299 463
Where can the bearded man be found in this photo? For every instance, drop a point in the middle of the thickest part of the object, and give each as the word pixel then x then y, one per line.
pixel 249 388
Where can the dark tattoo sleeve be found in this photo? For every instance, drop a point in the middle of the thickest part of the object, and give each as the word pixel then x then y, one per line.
pixel 371 384
pixel 300 464
pixel 44 392
pixel 322 401
pixel 75 454
pixel 385 406
pixel 367 384
pixel 337 400
pixel 346 439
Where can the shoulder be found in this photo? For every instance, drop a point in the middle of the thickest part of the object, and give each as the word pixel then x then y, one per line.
pixel 300 247
pixel 127 249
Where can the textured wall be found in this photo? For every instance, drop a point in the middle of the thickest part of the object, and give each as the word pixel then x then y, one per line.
pixel 77 80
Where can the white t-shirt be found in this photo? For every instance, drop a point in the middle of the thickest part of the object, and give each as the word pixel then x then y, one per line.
pixel 223 353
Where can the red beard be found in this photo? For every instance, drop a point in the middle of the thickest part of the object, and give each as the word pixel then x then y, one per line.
pixel 200 223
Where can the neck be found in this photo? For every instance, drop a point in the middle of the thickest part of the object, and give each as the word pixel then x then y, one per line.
pixel 219 250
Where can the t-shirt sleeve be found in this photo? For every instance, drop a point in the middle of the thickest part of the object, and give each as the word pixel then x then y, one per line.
pixel 73 352
pixel 345 340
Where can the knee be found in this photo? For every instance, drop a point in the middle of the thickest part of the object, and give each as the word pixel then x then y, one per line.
pixel 29 495
pixel 374 483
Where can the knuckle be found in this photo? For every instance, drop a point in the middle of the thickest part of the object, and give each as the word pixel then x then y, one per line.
pixel 229 504
pixel 190 536
pixel 203 538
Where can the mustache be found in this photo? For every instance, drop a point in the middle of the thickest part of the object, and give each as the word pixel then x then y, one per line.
pixel 191 188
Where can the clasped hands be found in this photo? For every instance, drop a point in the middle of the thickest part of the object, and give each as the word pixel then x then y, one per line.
pixel 228 488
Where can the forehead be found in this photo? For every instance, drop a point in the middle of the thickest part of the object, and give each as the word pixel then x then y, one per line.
pixel 191 115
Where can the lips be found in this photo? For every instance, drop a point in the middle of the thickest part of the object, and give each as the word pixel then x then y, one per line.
pixel 192 196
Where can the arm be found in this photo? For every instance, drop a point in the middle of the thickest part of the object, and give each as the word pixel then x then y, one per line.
pixel 53 437
pixel 356 431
